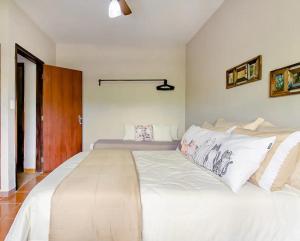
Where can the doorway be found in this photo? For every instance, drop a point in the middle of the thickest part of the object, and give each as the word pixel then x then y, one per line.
pixel 29 88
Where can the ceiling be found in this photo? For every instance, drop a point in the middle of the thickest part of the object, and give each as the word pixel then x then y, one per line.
pixel 152 21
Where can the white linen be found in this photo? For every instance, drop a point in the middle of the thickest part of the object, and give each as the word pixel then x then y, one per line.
pixel 180 202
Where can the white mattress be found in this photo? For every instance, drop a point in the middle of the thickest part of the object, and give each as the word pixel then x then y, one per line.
pixel 180 202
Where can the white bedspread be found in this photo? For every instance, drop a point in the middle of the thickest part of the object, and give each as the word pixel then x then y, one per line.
pixel 181 202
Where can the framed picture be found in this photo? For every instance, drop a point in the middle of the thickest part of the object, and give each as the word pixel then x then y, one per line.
pixel 244 73
pixel 230 77
pixel 252 71
pixel 285 81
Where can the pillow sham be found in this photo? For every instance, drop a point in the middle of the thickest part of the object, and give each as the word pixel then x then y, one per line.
pixel 248 126
pixel 279 164
pixel 233 158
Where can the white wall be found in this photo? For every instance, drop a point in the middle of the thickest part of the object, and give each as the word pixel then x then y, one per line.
pixel 29 113
pixel 107 108
pixel 238 31
pixel 19 29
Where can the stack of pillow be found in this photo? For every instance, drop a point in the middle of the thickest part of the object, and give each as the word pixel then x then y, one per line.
pixel 157 132
pixel 267 156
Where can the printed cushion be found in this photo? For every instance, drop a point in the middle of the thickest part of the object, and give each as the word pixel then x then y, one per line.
pixel 144 133
pixel 233 158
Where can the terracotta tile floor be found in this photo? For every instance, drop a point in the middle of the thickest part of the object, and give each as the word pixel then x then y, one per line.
pixel 9 206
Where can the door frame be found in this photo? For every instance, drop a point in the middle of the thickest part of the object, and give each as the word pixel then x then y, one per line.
pixel 39 102
pixel 20 118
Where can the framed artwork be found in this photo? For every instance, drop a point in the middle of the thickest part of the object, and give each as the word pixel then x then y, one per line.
pixel 285 81
pixel 244 73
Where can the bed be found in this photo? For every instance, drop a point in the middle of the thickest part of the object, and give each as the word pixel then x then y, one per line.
pixel 180 201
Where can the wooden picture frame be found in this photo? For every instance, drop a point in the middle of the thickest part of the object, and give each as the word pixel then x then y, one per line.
pixel 247 72
pixel 285 81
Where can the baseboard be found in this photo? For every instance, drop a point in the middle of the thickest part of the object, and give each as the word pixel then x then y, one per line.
pixel 29 170
pixel 6 194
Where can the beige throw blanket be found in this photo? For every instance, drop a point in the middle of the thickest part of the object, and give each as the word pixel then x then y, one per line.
pixel 99 200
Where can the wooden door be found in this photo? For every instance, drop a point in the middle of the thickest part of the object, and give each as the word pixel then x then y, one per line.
pixel 62 112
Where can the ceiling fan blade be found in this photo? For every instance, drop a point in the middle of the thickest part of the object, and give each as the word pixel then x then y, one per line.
pixel 125 8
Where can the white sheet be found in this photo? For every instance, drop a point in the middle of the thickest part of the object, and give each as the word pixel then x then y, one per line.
pixel 181 202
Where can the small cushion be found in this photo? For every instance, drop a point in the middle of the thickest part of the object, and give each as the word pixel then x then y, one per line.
pixel 144 133
pixel 162 132
pixel 129 133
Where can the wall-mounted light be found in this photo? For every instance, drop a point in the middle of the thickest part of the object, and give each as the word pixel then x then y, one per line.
pixel 114 9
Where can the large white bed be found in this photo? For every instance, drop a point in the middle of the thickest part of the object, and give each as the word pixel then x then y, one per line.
pixel 180 202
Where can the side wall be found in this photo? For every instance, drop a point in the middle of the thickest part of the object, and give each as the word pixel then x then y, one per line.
pixel 109 107
pixel 21 30
pixel 238 31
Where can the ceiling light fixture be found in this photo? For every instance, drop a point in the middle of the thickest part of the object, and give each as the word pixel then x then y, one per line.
pixel 114 9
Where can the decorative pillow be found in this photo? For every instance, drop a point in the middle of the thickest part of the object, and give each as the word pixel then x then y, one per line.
pixel 143 132
pixel 129 133
pixel 279 164
pixel 234 158
pixel 249 126
pixel 162 132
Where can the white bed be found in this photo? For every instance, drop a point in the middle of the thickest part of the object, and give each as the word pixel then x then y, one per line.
pixel 180 202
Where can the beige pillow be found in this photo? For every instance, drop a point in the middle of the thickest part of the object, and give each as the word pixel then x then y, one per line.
pixel 248 126
pixel 265 125
pixel 295 178
pixel 284 171
pixel 207 125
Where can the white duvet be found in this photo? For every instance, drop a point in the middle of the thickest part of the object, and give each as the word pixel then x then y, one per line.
pixel 180 202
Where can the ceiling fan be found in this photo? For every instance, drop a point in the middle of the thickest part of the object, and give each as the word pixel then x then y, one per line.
pixel 118 7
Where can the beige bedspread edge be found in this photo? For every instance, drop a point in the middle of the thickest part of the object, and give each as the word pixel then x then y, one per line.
pixel 99 200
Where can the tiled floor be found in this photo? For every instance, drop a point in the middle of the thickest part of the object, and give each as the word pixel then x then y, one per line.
pixel 9 206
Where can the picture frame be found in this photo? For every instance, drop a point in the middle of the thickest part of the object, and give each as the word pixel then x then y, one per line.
pixel 244 73
pixel 285 81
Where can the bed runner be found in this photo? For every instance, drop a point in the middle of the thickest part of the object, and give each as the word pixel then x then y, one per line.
pixel 99 200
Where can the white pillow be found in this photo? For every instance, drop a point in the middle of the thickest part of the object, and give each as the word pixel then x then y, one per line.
pixel 174 132
pixel 233 158
pixel 129 133
pixel 162 133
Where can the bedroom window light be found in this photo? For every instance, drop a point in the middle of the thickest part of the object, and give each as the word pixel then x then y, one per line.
pixel 114 9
